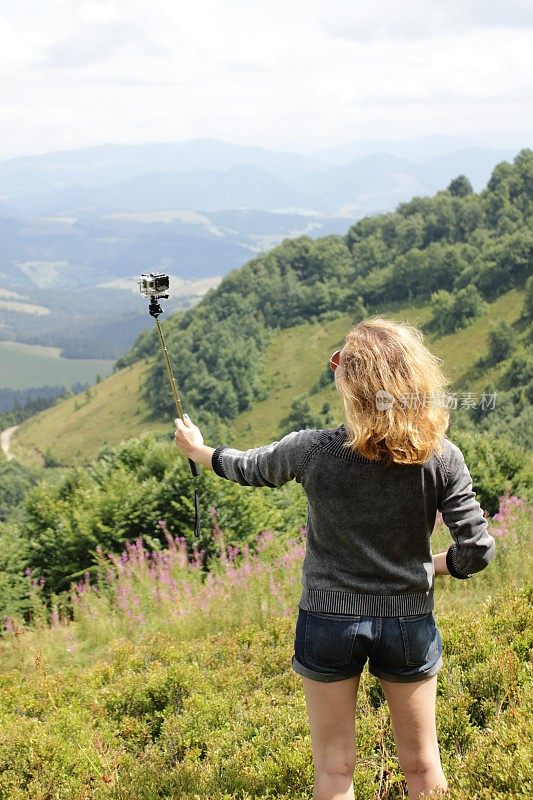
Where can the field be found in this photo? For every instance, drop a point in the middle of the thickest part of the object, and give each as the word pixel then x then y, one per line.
pixel 24 366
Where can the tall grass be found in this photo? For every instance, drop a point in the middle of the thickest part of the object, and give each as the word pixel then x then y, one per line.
pixel 141 593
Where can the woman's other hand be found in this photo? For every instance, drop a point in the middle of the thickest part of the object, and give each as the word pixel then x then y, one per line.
pixel 439 564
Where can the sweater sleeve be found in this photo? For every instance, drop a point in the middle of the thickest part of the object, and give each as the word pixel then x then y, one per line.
pixel 270 465
pixel 473 546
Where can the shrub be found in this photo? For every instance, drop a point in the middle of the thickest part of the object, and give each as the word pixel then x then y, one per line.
pixel 501 342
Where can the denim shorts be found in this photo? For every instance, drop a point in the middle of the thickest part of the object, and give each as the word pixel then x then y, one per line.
pixel 334 647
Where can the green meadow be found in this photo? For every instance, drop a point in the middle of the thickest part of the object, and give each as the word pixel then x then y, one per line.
pixel 23 366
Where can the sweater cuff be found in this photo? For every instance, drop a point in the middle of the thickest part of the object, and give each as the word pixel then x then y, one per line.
pixel 450 563
pixel 216 461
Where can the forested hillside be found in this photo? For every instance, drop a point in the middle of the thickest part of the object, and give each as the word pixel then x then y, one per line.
pixel 458 251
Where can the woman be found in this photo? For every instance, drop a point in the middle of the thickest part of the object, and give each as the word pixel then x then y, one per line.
pixel 374 486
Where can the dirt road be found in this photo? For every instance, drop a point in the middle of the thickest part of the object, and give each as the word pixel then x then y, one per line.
pixel 5 440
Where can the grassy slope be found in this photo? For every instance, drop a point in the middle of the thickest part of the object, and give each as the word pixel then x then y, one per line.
pixel 77 428
pixel 299 355
pixel 295 360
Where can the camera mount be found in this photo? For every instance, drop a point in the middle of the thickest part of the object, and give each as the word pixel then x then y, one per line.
pixel 154 309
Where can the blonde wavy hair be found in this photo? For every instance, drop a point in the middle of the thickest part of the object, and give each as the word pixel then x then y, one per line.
pixel 384 356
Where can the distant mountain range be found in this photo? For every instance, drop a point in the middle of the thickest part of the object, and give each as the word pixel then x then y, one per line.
pixel 207 175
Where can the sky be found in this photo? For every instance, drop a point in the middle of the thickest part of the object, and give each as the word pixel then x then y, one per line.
pixel 296 75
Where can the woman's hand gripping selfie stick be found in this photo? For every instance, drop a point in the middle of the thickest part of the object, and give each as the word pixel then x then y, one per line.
pixel 154 285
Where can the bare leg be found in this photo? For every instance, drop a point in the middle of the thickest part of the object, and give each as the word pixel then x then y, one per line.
pixel 331 710
pixel 412 709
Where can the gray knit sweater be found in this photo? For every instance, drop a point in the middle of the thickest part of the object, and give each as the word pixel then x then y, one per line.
pixel 369 525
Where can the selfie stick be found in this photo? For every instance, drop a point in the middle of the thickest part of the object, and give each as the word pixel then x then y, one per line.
pixel 155 310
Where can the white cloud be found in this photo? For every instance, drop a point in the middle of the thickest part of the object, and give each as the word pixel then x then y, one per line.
pixel 416 19
pixel 98 13
pixel 18 49
pixel 97 43
pixel 299 73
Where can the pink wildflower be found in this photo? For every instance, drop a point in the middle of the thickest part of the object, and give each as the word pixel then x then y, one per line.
pixel 264 540
pixel 232 552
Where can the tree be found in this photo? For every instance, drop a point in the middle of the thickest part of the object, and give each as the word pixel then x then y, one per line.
pixel 441 221
pixel 460 186
pixel 501 342
pixel 467 305
pixel 519 372
pixel 469 216
pixel 358 310
pixel 446 262
pixel 410 232
pixel 408 274
pixel 369 254
pixel 301 417
pixel 515 256
pixel 16 480
pixel 441 307
pixel 13 561
pixel 501 212
pixel 451 313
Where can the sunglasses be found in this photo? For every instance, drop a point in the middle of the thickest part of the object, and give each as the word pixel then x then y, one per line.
pixel 335 360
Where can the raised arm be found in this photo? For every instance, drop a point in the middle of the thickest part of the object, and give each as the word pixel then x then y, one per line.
pixel 270 465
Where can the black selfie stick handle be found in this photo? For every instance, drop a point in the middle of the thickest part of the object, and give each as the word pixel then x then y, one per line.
pixel 194 468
